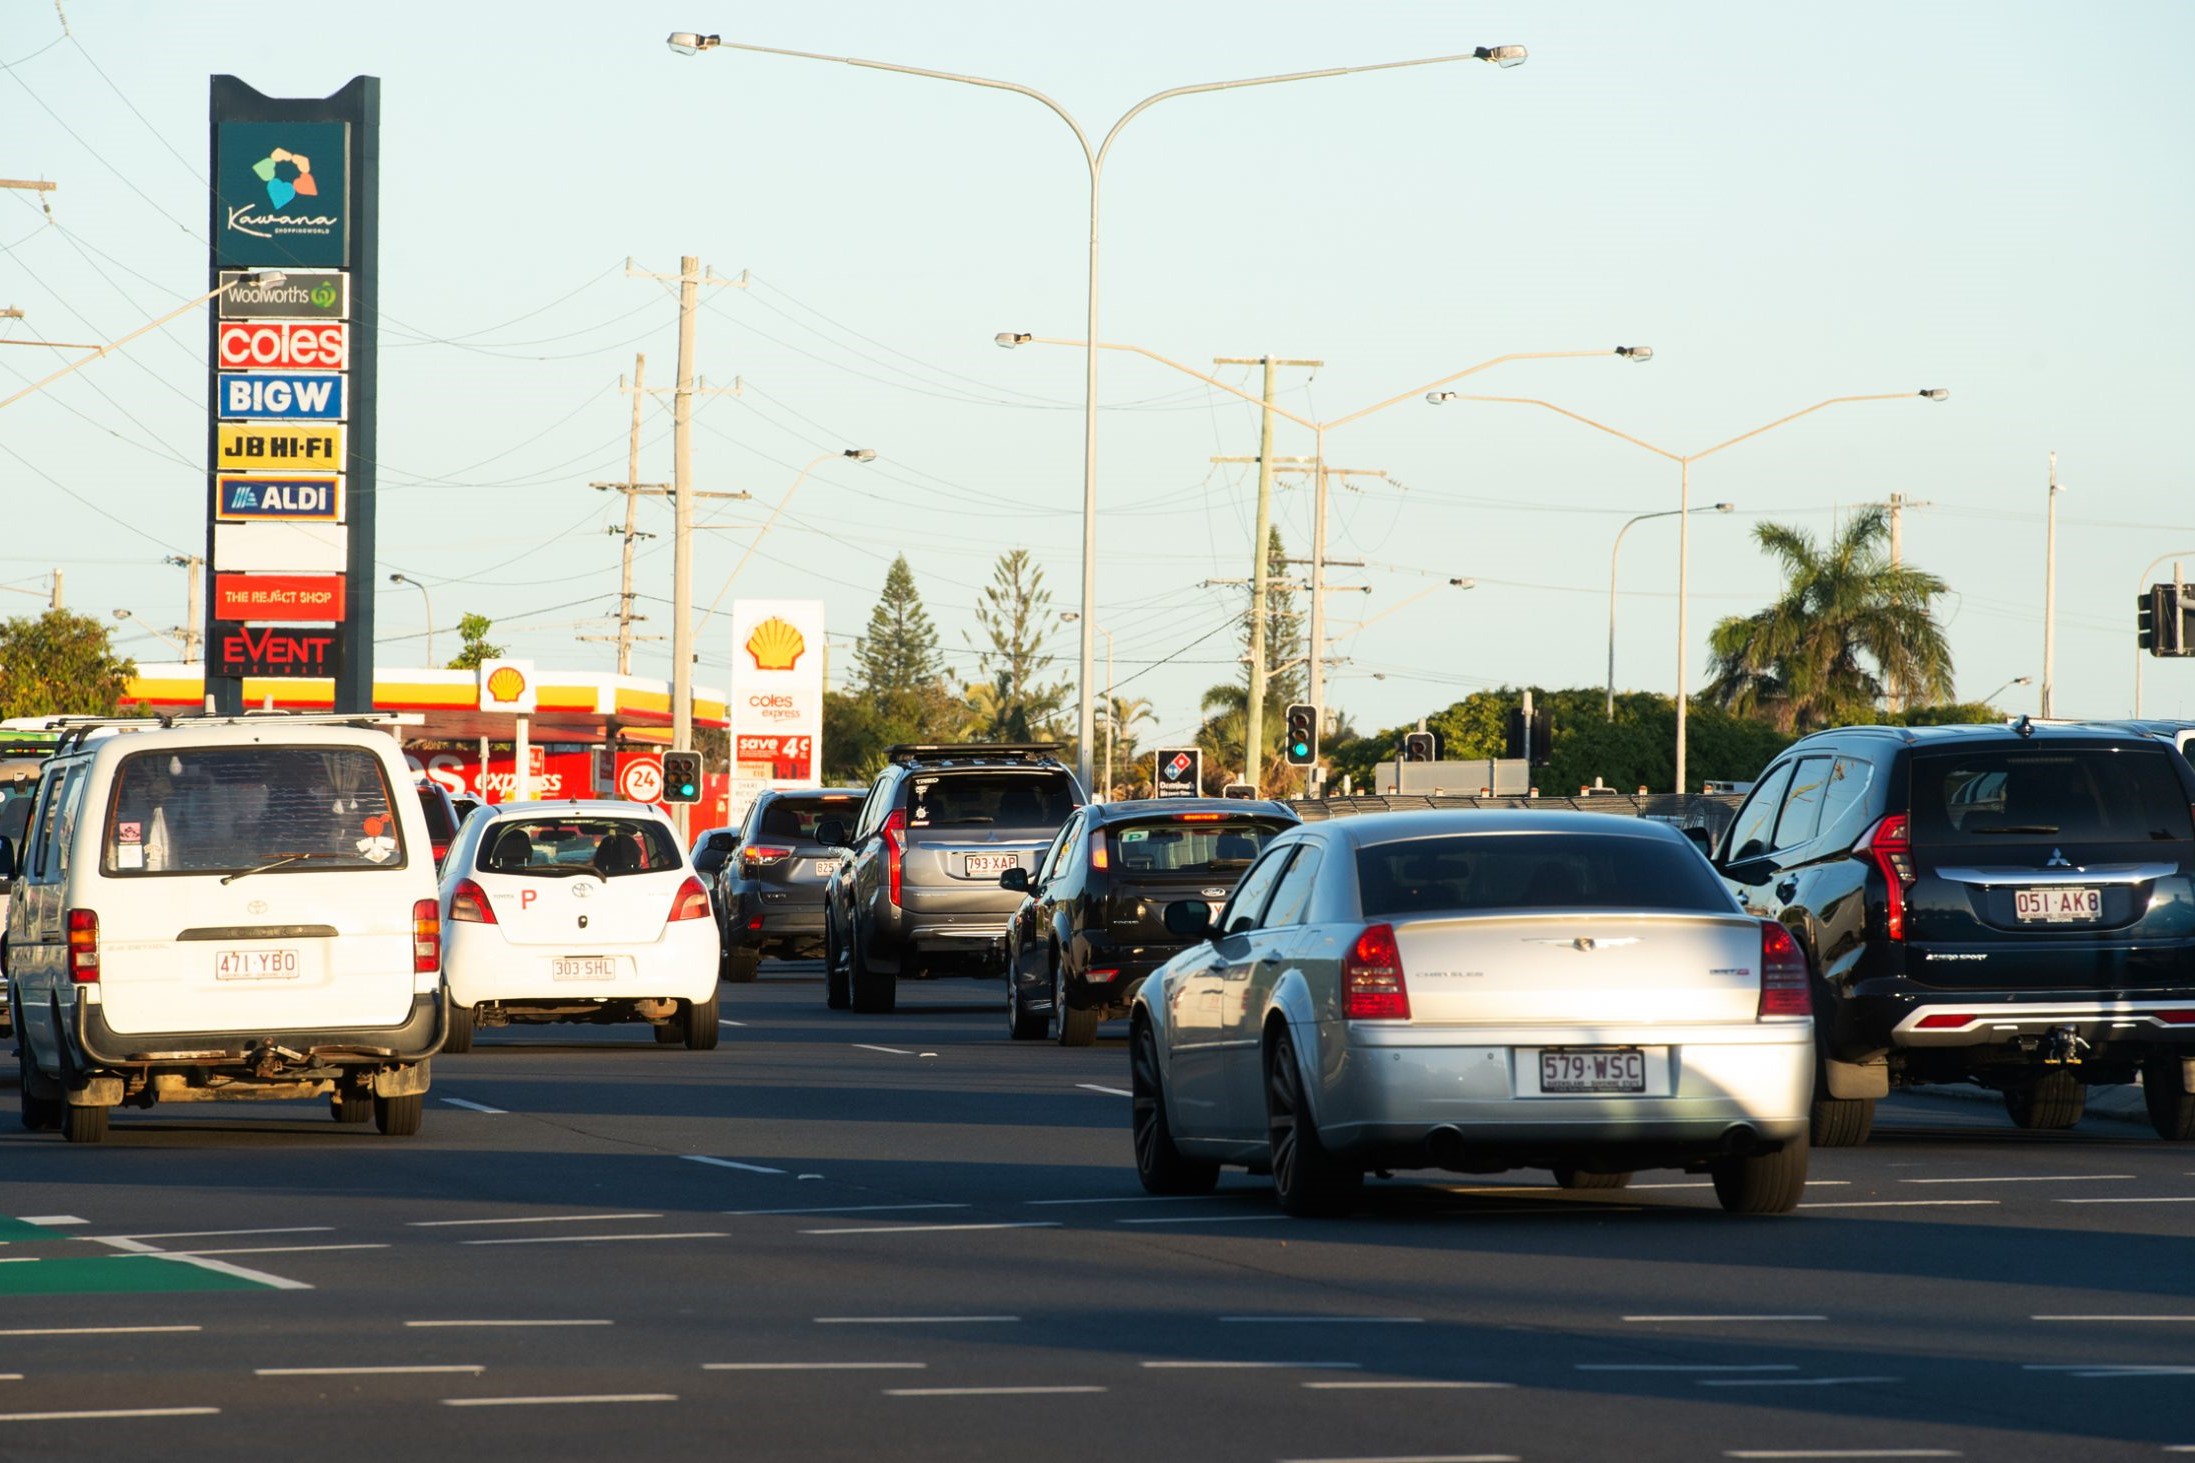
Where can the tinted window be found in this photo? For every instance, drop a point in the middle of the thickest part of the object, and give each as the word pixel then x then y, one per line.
pixel 793 818
pixel 1467 871
pixel 1756 822
pixel 58 786
pixel 1844 804
pixel 1049 868
pixel 441 816
pixel 2088 795
pixel 1802 806
pixel 989 799
pixel 1242 911
pixel 218 810
pixel 1293 896
pixel 1175 846
pixel 553 847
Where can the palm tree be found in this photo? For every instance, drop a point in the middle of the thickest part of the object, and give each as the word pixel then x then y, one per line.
pixel 1848 624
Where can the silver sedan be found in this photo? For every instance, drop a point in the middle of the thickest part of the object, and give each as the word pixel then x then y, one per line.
pixel 1476 992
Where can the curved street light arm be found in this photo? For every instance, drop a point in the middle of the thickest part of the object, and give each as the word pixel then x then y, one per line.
pixel 1152 355
pixel 1807 411
pixel 1577 417
pixel 1459 375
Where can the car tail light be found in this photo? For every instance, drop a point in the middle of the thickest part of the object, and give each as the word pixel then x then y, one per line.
pixel 1103 974
pixel 754 921
pixel 1099 858
pixel 762 855
pixel 1889 847
pixel 2175 1018
pixel 1200 817
pixel 469 904
pixel 83 946
pixel 1944 1021
pixel 1372 985
pixel 426 937
pixel 439 850
pixel 691 901
pixel 895 852
pixel 1784 990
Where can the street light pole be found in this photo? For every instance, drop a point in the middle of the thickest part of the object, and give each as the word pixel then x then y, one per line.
pixel 407 579
pixel 1617 549
pixel 2050 593
pixel 857 454
pixel 690 43
pixel 265 276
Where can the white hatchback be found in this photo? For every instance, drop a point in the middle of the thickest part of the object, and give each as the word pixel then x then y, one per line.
pixel 577 911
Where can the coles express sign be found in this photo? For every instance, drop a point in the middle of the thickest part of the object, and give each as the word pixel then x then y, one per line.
pixel 286 344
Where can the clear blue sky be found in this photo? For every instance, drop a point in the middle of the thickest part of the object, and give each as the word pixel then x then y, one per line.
pixel 1786 205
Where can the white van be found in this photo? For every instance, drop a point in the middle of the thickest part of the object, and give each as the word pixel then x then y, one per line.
pixel 224 908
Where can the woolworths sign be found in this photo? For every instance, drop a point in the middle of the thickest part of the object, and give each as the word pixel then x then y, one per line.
pixel 304 294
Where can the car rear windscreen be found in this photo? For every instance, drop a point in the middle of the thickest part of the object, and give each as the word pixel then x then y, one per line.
pixel 1991 796
pixel 208 810
pixel 1177 846
pixel 553 848
pixel 1485 871
pixel 793 819
pixel 1033 799
pixel 441 821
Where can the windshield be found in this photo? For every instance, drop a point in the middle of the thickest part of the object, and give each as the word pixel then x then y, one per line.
pixel 1570 871
pixel 206 810
pixel 552 847
pixel 793 819
pixel 2082 795
pixel 1179 846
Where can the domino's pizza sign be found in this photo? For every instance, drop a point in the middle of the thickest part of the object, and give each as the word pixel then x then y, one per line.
pixel 1180 772
pixel 282 396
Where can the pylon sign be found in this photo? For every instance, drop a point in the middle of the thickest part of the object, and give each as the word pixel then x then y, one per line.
pixel 290 380
pixel 1179 773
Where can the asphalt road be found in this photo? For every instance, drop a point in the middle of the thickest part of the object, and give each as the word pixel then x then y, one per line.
pixel 906 1237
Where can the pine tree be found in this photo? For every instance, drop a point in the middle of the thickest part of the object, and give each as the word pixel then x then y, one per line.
pixel 1012 703
pixel 899 654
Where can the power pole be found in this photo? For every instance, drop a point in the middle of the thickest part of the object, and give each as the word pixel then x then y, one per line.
pixel 193 616
pixel 2050 591
pixel 1253 737
pixel 625 615
pixel 55 602
pixel 1320 563
pixel 1897 505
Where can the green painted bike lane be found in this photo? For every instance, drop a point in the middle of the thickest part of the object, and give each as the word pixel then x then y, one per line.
pixel 37 1259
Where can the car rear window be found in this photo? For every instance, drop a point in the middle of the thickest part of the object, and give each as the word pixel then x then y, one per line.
pixel 1033 799
pixel 550 847
pixel 222 810
pixel 795 818
pixel 1474 871
pixel 1179 846
pixel 1991 796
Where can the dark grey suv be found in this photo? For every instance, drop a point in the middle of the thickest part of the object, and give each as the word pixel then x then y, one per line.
pixel 916 893
pixel 769 894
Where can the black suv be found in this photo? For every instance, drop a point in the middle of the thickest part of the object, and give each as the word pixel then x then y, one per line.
pixel 917 893
pixel 769 894
pixel 1092 924
pixel 2012 906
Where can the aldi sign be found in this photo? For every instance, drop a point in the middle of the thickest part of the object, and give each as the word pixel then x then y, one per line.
pixel 274 650
pixel 282 395
pixel 289 598
pixel 318 294
pixel 256 447
pixel 291 345
pixel 314 499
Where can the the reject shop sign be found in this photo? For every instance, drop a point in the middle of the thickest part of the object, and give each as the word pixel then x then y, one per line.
pixel 290 598
pixel 290 345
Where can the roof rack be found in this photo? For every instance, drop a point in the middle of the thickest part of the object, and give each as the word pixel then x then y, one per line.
pixel 76 730
pixel 917 751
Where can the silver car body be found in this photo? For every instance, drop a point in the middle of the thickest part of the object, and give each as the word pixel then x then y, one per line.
pixel 1458 1084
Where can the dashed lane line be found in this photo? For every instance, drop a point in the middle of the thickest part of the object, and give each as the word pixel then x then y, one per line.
pixel 214 1233
pixel 587 1239
pixel 1133 1199
pixel 1633 1366
pixel 2028 1178
pixel 476 1106
pixel 1417 1458
pixel 1413 1386
pixel 244 1250
pixel 1720 1319
pixel 52 1221
pixel 109 1414
pixel 1766 1453
pixel 730 1163
pixel 913 1320
pixel 815 1366
pixel 722 1022
pixel 2160 1199
pixel 1202 1219
pixel 1794 1381
pixel 438 1325
pixel 2112 1320
pixel 1108 1091
pixel 99 1330
pixel 203 1262
pixel 1322 1320
pixel 567 1401
pixel 845 1209
pixel 362 1371
pixel 1904 1204
pixel 986 1391
pixel 936 1228
pixel 1194 1366
pixel 2093 1371
pixel 890 1051
pixel 524 1219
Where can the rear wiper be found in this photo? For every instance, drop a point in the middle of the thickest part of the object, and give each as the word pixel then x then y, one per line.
pixel 2018 828
pixel 288 858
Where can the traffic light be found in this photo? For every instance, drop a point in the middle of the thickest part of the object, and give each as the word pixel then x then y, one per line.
pixel 1303 734
pixel 2145 619
pixel 2160 625
pixel 1420 747
pixel 682 777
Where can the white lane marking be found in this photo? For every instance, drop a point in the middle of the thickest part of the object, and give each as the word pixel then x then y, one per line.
pixel 2106 1369
pixel 99 1330
pixel 219 1267
pixel 2112 1319
pixel 1418 1458
pixel 1725 1318
pixel 559 1401
pixel 1133 1199
pixel 1790 1381
pixel 2028 1178
pixel 100 1239
pixel 1193 1366
pixel 117 1412
pixel 728 1163
pixel 1108 1091
pixel 245 1250
pixel 907 1320
pixel 722 1022
pixel 1627 1366
pixel 11 1376
pixel 890 1051
pixel 1843 1453
pixel 1322 1320
pixel 588 1239
pixel 427 1325
pixel 1201 1219
pixel 524 1219
pixel 476 1106
pixel 844 1209
pixel 936 1228
pixel 986 1391
pixel 2172 1199
pixel 815 1366
pixel 52 1220
pixel 1408 1386
pixel 358 1371
pixel 1903 1204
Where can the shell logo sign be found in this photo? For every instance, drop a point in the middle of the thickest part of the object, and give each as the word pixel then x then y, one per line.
pixel 776 645
pixel 507 685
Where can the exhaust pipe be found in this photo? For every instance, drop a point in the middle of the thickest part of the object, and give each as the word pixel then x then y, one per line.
pixel 1740 1139
pixel 1444 1145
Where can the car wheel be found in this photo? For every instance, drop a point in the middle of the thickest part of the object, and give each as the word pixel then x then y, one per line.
pixel 399 1116
pixel 351 1105
pixel 1308 1180
pixel 837 990
pixel 742 966
pixel 458 1039
pixel 1160 1167
pixel 40 1114
pixel 2052 1101
pixel 84 1124
pixel 1022 1024
pixel 1075 1028
pixel 2171 1105
pixel 1572 1178
pixel 702 1030
pixel 1762 1183
pixel 1840 1122
pixel 875 992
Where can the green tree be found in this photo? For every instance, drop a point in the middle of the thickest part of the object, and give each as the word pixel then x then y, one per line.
pixel 1848 626
pixel 899 653
pixel 472 632
pixel 898 692
pixel 1012 701
pixel 60 664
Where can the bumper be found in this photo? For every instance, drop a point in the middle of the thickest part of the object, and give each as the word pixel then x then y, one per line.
pixel 418 1038
pixel 760 921
pixel 1888 1014
pixel 481 967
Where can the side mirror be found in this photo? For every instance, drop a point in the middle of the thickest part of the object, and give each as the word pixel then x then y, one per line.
pixel 1016 879
pixel 1748 871
pixel 7 862
pixel 1702 840
pixel 1190 919
pixel 831 833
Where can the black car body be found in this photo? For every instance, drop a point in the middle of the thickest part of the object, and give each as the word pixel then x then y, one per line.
pixel 769 894
pixel 2012 906
pixel 1092 921
pixel 712 847
pixel 917 894
pixel 442 817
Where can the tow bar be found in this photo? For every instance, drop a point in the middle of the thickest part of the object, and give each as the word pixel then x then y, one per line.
pixel 2061 1047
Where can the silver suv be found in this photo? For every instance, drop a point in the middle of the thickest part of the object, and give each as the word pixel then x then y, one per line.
pixel 916 893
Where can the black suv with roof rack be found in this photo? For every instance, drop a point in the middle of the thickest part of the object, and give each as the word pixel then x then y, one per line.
pixel 2012 906
pixel 916 892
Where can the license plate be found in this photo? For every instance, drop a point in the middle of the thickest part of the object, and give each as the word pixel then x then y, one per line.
pixel 583 967
pixel 823 868
pixel 1607 1071
pixel 992 863
pixel 255 965
pixel 2057 905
